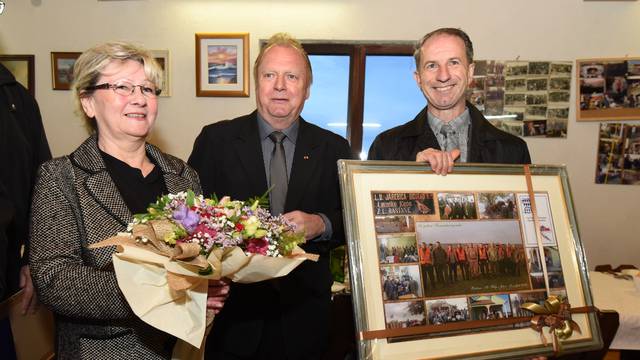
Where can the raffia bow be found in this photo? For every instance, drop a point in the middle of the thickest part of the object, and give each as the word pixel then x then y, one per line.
pixel 556 314
pixel 150 236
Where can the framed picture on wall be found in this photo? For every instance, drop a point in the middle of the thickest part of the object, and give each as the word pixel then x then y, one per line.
pixel 608 89
pixel 441 261
pixel 222 64
pixel 23 69
pixel 162 57
pixel 62 69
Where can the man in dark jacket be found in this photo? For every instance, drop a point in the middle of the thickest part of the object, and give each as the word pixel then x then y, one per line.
pixel 287 318
pixel 23 147
pixel 449 128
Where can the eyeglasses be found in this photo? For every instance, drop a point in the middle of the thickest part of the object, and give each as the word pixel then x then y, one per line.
pixel 127 89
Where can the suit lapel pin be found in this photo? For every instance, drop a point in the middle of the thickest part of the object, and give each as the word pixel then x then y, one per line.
pixel 306 157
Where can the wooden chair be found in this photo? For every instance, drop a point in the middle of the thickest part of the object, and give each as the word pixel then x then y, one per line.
pixel 623 267
pixel 604 268
pixel 32 333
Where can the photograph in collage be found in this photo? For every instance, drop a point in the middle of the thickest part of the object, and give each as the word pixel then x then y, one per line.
pixel 609 84
pixel 401 282
pixel 497 206
pixel 404 314
pixel 518 299
pixel 551 257
pixel 457 206
pixel 394 224
pixel 471 257
pixel 443 311
pixel 487 307
pixel 547 230
pixel 397 248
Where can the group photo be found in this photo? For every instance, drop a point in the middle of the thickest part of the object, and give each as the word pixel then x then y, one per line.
pixel 447 310
pixel 457 206
pixel 471 257
pixel 397 248
pixel 401 282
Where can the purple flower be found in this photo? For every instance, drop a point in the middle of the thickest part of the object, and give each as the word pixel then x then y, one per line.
pixel 188 218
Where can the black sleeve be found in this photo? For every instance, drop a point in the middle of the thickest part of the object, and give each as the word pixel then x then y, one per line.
pixel 201 160
pixel 375 151
pixel 31 120
pixel 343 151
pixel 526 158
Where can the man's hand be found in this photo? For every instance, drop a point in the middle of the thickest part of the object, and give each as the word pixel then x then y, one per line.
pixel 29 298
pixel 217 294
pixel 311 224
pixel 441 161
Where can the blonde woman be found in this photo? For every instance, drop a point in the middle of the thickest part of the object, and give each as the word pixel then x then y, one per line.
pixel 92 194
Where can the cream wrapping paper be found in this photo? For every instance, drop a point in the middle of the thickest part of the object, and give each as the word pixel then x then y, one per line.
pixel 171 296
pixel 146 288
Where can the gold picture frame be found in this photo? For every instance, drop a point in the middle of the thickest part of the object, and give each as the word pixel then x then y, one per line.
pixel 62 63
pixel 399 205
pixel 222 64
pixel 23 68
pixel 608 89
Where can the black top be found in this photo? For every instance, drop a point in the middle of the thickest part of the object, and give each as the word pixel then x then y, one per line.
pixel 137 191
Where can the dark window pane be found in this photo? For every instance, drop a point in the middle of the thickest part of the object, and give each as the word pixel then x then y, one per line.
pixel 327 104
pixel 391 96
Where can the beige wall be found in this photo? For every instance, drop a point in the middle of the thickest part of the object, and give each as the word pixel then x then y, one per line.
pixel 542 29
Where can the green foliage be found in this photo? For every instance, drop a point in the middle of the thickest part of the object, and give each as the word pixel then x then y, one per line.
pixel 336 263
pixel 289 241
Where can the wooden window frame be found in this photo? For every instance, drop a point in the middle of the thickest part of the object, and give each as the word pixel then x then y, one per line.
pixel 357 52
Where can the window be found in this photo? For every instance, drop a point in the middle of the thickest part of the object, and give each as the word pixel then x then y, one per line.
pixel 362 89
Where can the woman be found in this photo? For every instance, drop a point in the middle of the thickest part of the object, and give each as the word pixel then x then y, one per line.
pixel 91 194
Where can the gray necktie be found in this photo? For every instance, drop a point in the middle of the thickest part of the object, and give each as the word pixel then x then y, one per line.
pixel 278 174
pixel 450 137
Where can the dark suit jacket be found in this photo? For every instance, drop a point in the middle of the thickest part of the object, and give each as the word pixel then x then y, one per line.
pixel 488 144
pixel 228 158
pixel 75 204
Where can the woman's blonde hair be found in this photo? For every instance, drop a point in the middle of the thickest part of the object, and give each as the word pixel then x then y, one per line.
pixel 89 66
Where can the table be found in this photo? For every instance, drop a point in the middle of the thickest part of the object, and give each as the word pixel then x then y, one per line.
pixel 620 295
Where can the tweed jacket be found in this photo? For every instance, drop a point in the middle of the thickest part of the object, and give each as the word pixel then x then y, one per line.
pixel 75 204
pixel 488 144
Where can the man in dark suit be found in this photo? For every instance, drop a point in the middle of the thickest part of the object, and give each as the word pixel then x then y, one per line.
pixel 23 147
pixel 449 128
pixel 286 318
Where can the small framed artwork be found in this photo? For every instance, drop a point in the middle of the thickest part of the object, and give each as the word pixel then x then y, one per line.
pixel 608 89
pixel 62 69
pixel 469 258
pixel 162 57
pixel 222 64
pixel 23 69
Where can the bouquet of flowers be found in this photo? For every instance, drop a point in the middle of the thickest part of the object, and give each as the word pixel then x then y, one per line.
pixel 165 259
